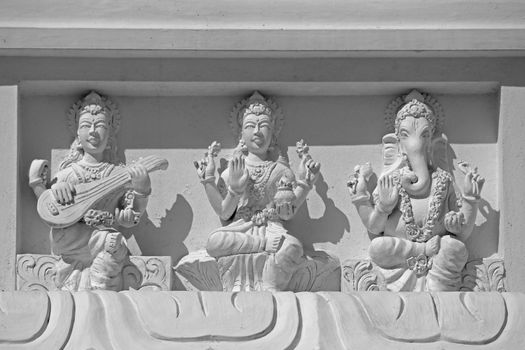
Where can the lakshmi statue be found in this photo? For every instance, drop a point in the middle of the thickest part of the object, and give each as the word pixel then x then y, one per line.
pixel 255 194
pixel 92 251
pixel 418 224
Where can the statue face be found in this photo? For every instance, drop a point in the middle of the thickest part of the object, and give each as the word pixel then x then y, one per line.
pixel 93 132
pixel 257 133
pixel 415 134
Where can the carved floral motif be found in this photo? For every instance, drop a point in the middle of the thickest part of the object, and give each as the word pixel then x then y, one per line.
pixel 37 272
pixel 479 275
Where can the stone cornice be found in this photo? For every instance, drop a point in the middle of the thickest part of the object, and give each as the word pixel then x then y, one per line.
pixel 279 26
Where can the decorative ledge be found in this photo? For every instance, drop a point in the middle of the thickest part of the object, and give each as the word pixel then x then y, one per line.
pixel 479 275
pixel 35 272
pixel 261 320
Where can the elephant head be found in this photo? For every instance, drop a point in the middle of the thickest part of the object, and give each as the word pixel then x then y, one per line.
pixel 413 145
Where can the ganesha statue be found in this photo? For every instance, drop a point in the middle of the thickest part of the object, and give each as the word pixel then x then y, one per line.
pixel 417 219
pixel 90 197
pixel 254 195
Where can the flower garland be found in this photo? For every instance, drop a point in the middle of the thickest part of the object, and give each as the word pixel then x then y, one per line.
pixel 440 182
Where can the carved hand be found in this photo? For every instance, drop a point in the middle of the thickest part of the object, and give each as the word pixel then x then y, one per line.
pixel 63 192
pixel 237 174
pixel 358 185
pixel 286 210
pixel 273 242
pixel 473 183
pixel 454 222
pixel 432 246
pixel 388 193
pixel 308 170
pixel 127 217
pixel 206 166
pixel 140 180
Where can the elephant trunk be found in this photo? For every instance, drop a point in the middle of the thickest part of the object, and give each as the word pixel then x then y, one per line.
pixel 417 182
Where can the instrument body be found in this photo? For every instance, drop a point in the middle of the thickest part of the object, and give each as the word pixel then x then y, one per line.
pixel 87 195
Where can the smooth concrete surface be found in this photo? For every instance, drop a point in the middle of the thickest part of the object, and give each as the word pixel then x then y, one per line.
pixel 511 154
pixel 10 190
pixel 340 25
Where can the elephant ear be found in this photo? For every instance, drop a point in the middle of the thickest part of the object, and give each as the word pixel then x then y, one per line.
pixel 391 156
pixel 440 152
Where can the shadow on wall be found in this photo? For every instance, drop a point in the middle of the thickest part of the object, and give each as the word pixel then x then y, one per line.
pixel 328 228
pixel 484 233
pixel 170 235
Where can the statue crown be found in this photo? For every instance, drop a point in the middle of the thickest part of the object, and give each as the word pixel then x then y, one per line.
pixel 257 105
pixel 417 109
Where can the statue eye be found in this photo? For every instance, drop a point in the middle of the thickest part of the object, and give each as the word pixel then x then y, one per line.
pixel 403 133
pixel 249 125
pixel 101 125
pixel 84 126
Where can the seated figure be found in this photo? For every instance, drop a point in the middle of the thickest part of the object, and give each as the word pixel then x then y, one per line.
pixel 92 185
pixel 255 194
pixel 418 224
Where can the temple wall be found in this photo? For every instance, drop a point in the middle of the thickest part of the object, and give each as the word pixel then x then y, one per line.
pixel 342 130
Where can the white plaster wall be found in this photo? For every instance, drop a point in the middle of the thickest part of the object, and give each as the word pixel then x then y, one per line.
pixel 342 131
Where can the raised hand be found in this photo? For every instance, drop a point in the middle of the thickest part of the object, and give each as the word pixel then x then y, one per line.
pixel 127 217
pixel 63 192
pixel 358 182
pixel 237 174
pixel 140 180
pixel 206 166
pixel 388 193
pixel 473 182
pixel 308 170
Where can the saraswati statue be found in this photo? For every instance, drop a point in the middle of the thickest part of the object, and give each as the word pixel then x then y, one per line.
pixel 254 195
pixel 418 224
pixel 90 196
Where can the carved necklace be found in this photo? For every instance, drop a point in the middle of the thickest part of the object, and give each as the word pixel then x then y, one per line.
pixel 92 172
pixel 440 181
pixel 259 176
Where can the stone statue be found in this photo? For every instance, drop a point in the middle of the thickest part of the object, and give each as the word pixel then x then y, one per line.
pixel 418 224
pixel 90 196
pixel 255 193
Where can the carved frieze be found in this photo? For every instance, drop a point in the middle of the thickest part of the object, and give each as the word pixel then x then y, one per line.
pixel 37 272
pixel 282 320
pixel 479 275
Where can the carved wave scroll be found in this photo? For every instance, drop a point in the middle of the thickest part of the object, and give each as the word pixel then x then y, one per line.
pixel 283 320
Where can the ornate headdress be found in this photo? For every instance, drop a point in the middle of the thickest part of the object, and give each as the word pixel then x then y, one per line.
pixel 94 103
pixel 256 104
pixel 417 105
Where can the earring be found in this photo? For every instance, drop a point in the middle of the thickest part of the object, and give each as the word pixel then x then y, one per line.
pixel 242 147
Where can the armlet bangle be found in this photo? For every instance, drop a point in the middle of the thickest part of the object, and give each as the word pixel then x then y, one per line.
pixel 304 185
pixel 142 195
pixel 382 210
pixel 234 193
pixel 471 199
pixel 208 180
